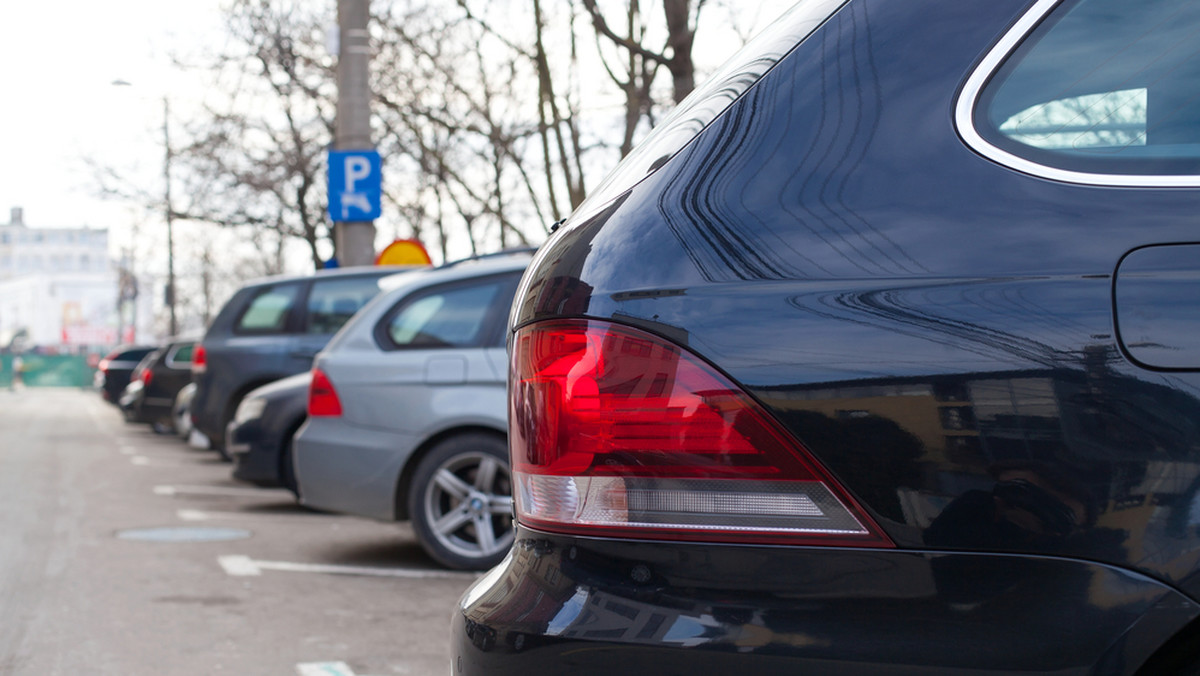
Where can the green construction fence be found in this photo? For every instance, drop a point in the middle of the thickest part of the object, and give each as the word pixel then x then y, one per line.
pixel 37 370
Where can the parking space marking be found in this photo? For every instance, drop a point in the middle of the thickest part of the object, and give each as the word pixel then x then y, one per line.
pixel 243 566
pixel 324 669
pixel 198 515
pixel 156 461
pixel 217 490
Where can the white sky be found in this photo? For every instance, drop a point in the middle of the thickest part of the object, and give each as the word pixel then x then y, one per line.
pixel 58 106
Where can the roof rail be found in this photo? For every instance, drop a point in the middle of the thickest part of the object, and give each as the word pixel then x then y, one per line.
pixel 494 254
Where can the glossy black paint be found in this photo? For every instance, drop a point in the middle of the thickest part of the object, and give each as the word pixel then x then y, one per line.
pixel 941 332
pixel 957 312
pixel 579 606
pixel 1158 320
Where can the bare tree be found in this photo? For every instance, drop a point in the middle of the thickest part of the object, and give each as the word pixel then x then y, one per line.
pixel 257 154
pixel 451 112
pixel 640 63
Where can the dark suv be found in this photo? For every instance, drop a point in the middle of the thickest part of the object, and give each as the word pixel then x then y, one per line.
pixel 269 329
pixel 880 356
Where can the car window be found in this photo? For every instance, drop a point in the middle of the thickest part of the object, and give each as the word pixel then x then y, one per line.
pixel 131 355
pixel 268 311
pixel 181 355
pixel 448 317
pixel 1102 86
pixel 332 303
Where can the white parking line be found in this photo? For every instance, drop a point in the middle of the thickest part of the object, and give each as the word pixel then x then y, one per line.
pixel 324 669
pixel 243 566
pixel 216 490
pixel 198 515
pixel 156 461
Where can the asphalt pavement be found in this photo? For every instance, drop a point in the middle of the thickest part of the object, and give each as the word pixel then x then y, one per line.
pixel 127 552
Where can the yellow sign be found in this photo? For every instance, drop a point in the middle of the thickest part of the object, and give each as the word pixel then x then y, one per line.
pixel 403 252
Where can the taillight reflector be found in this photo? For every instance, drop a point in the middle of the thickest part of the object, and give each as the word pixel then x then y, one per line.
pixel 322 398
pixel 615 431
pixel 147 376
pixel 199 359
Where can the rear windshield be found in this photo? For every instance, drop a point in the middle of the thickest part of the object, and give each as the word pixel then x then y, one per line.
pixel 1103 86
pixel 710 99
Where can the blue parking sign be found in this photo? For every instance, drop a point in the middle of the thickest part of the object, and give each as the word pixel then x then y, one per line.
pixel 355 185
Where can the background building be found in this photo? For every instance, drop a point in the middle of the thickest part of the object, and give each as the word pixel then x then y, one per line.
pixel 59 290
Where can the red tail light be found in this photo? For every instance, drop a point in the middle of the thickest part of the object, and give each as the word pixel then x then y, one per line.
pixel 322 398
pixel 615 431
pixel 199 359
pixel 103 365
pixel 146 376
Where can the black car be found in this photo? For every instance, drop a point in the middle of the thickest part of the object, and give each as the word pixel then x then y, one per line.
pixel 880 356
pixel 259 438
pixel 269 329
pixel 157 380
pixel 115 369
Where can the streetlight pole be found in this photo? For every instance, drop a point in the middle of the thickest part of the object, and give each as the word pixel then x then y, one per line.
pixel 170 295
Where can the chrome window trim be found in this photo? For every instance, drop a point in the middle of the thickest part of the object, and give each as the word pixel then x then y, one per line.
pixel 968 99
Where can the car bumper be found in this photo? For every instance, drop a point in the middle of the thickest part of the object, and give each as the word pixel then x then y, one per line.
pixel 349 469
pixel 587 606
pixel 255 456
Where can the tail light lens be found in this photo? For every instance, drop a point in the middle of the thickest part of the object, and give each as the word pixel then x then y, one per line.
pixel 103 365
pixel 199 359
pixel 615 431
pixel 322 398
pixel 146 376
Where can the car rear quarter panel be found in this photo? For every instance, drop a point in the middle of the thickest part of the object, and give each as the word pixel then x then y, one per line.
pixel 936 328
pixel 355 463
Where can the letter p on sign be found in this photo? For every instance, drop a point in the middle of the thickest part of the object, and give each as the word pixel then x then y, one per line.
pixel 355 185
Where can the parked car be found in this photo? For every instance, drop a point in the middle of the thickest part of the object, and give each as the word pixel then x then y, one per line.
pixel 126 398
pixel 881 355
pixel 114 370
pixel 406 412
pixel 259 438
pixel 269 329
pixel 157 380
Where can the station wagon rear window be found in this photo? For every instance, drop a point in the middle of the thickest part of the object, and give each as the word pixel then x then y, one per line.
pixel 268 311
pixel 1101 87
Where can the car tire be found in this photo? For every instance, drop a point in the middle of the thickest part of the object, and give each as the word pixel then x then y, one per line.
pixel 460 501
